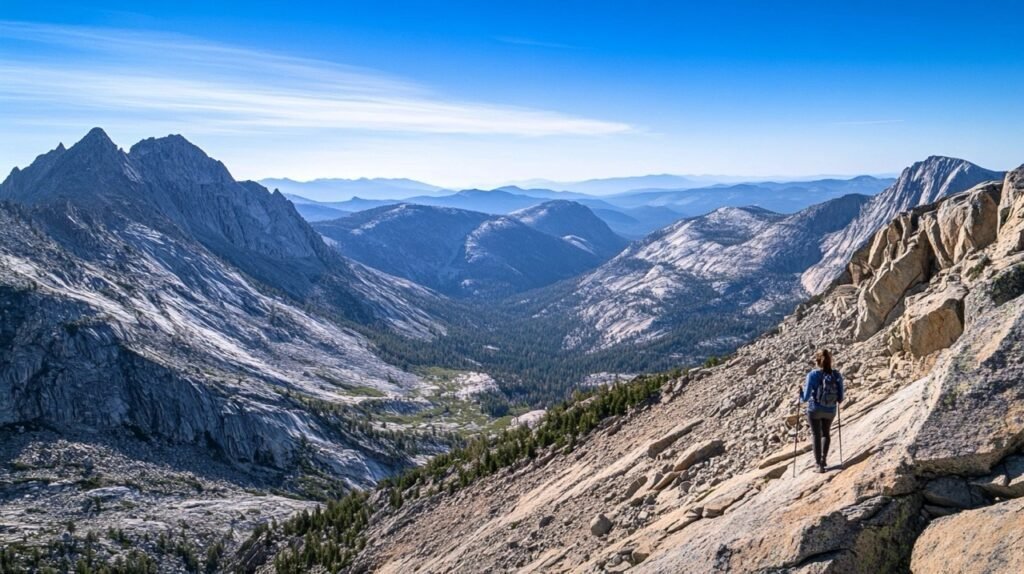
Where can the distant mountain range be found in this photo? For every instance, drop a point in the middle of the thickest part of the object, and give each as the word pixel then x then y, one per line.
pixel 633 214
pixel 781 197
pixel 472 254
pixel 338 189
pixel 612 185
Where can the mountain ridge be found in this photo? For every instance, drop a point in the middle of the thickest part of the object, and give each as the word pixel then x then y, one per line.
pixel 467 253
pixel 921 183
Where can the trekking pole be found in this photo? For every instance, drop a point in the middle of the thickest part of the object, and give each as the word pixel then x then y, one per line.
pixel 839 422
pixel 796 430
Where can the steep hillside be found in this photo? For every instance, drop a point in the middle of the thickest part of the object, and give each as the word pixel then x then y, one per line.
pixel 732 261
pixel 176 346
pixel 704 477
pixel 472 254
pixel 920 184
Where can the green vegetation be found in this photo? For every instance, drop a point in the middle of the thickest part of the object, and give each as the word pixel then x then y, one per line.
pixel 524 349
pixel 332 536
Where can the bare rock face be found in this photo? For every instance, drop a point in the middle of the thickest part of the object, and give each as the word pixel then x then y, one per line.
pixel 986 540
pixel 1011 213
pixel 934 321
pixel 963 224
pixel 909 252
pixel 899 259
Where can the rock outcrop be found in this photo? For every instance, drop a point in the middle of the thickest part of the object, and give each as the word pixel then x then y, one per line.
pixel 920 184
pixel 983 540
pixel 915 247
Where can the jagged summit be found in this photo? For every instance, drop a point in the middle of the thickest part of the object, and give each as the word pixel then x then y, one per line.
pixel 172 186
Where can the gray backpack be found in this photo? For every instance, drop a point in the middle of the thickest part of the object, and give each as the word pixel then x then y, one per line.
pixel 827 393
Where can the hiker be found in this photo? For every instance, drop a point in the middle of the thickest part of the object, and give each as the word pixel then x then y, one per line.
pixel 822 392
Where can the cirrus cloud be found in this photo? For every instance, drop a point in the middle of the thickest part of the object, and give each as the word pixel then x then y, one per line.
pixel 52 70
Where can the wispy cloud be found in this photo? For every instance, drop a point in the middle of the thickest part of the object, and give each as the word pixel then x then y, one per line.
pixel 519 41
pixel 866 122
pixel 215 87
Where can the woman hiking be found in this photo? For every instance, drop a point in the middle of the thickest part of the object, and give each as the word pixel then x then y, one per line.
pixel 822 392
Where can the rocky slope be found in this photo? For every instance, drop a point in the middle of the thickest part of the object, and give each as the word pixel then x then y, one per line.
pixel 472 254
pixel 158 317
pixel 928 328
pixel 920 184
pixel 733 261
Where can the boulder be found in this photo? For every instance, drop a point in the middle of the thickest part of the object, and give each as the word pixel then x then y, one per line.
pixel 600 525
pixel 656 447
pixel 634 486
pixel 719 504
pixel 953 492
pixel 786 453
pixel 963 224
pixel 934 322
pixel 756 365
pixel 639 554
pixel 1007 482
pixel 699 453
pixel 986 540
pixel 664 482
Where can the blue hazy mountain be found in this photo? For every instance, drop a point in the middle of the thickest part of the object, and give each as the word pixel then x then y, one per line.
pixel 781 197
pixel 612 185
pixel 467 253
pixel 338 189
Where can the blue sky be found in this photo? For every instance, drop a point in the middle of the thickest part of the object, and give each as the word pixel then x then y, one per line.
pixel 475 93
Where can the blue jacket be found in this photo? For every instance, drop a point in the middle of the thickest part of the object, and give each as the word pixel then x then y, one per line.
pixel 814 379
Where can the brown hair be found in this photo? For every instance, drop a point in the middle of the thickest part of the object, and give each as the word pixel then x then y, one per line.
pixel 824 359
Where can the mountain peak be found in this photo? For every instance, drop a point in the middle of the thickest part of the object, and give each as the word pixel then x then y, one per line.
pixel 175 157
pixel 94 139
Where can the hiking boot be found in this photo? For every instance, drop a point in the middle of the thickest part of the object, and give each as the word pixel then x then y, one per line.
pixel 821 469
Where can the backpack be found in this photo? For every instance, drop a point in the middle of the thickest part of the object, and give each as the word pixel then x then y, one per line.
pixel 827 393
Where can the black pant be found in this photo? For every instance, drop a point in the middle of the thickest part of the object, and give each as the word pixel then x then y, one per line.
pixel 821 427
